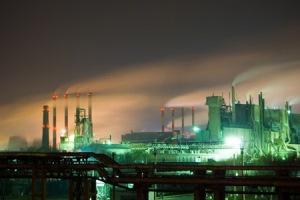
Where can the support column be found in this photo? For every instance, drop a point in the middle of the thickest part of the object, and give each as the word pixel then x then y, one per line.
pixel 219 190
pixel 219 193
pixel 78 189
pixel 86 189
pixel 141 192
pixel 71 189
pixel 283 194
pixel 43 188
pixel 93 190
pixel 33 180
pixel 38 185
pixel 199 193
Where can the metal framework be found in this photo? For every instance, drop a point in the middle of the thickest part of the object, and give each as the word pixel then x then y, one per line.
pixel 83 169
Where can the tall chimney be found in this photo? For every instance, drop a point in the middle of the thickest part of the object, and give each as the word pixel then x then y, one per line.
pixel 162 119
pixel 90 106
pixel 45 137
pixel 66 115
pixel 54 97
pixel 193 116
pixel 182 121
pixel 261 103
pixel 233 104
pixel 173 119
pixel 77 113
pixel 77 100
pixel 90 112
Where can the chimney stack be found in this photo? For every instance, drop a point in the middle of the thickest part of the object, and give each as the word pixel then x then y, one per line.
pixel 90 106
pixel 54 97
pixel 233 104
pixel 173 119
pixel 66 115
pixel 193 116
pixel 182 121
pixel 45 137
pixel 162 119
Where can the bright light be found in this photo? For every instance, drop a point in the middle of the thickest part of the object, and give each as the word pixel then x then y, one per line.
pixel 63 132
pixel 289 111
pixel 196 129
pixel 71 138
pixel 233 142
pixel 99 183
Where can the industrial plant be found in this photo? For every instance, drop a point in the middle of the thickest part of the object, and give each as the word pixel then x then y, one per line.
pixel 255 129
pixel 238 135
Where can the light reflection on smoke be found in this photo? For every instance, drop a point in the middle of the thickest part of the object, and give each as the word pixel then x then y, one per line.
pixel 130 99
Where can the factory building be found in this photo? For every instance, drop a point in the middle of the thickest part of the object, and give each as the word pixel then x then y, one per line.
pixel 236 134
pixel 232 128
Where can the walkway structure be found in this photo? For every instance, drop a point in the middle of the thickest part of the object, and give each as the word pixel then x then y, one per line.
pixel 83 169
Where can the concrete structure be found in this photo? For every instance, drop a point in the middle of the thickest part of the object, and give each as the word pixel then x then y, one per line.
pixel 214 104
pixel 45 137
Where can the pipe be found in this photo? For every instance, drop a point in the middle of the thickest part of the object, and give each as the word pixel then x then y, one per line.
pixel 261 102
pixel 45 136
pixel 193 116
pixel 90 106
pixel 233 104
pixel 162 119
pixel 66 115
pixel 173 119
pixel 54 97
pixel 90 113
pixel 182 120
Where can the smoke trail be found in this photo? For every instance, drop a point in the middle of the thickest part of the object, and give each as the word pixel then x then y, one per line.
pixel 261 70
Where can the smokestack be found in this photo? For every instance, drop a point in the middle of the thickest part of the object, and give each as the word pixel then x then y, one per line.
pixel 193 116
pixel 45 137
pixel 173 119
pixel 162 119
pixel 90 112
pixel 77 114
pixel 54 97
pixel 77 100
pixel 182 120
pixel 90 106
pixel 66 115
pixel 233 104
pixel 261 103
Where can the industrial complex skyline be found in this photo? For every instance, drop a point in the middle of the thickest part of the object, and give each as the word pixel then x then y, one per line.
pixel 137 57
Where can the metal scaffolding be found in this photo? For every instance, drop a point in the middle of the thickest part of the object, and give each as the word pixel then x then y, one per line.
pixel 83 169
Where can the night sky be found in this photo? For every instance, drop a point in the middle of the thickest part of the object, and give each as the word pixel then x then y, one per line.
pixel 136 56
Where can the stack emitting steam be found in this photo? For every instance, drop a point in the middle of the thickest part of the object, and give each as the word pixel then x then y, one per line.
pixel 54 97
pixel 163 111
pixel 66 131
pixel 45 135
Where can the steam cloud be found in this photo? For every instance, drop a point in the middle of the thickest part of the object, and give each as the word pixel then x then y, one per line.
pixel 130 99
